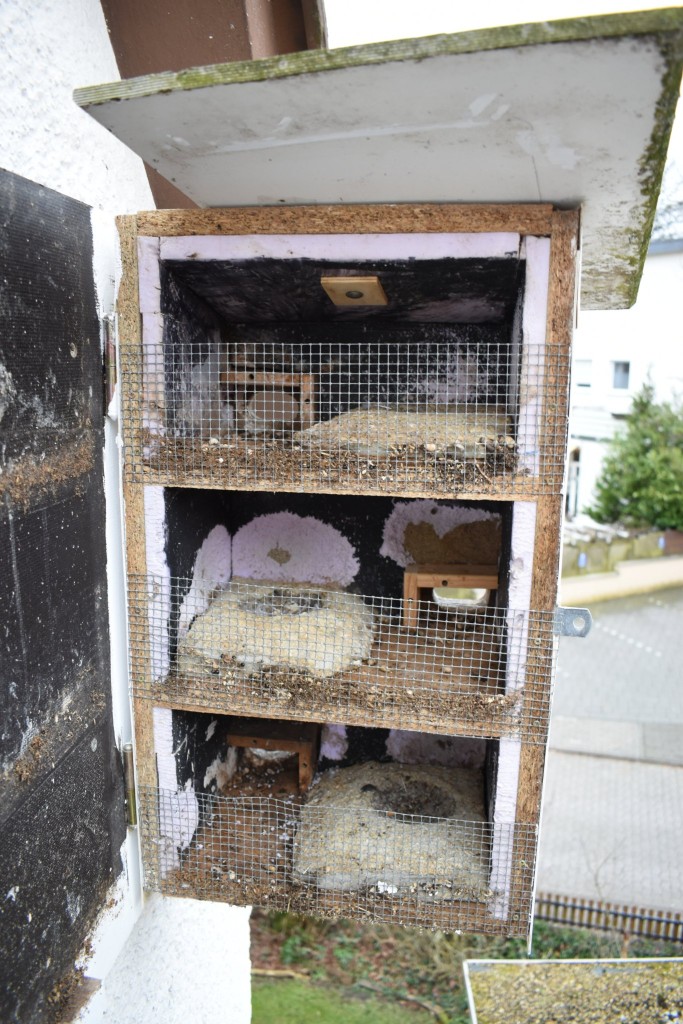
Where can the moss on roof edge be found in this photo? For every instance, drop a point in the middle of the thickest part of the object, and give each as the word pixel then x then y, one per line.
pixel 653 160
pixel 612 26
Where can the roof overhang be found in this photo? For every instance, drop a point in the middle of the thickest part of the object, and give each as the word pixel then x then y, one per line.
pixel 576 113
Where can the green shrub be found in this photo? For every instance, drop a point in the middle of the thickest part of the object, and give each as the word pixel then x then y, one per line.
pixel 641 483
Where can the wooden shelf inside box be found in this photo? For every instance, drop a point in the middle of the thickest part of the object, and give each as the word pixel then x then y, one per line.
pixel 391 691
pixel 429 576
pixel 253 463
pixel 508 489
pixel 302 384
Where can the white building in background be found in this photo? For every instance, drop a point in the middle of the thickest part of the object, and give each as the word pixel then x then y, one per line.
pixel 613 357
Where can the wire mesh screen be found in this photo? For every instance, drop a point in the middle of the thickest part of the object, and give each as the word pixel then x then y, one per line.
pixel 322 654
pixel 431 418
pixel 411 869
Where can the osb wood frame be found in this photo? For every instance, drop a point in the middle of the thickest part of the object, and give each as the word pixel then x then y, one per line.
pixel 202 483
pixel 130 355
pixel 481 723
pixel 534 219
pixel 564 242
pixel 371 218
pixel 464 915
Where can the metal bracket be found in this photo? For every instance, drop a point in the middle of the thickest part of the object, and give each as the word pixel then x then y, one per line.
pixel 572 621
pixel 109 348
pixel 129 784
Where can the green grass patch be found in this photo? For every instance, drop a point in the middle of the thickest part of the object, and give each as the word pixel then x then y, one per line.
pixel 289 1001
pixel 346 962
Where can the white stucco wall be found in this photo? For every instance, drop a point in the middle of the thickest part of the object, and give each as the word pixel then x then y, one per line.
pixel 48 48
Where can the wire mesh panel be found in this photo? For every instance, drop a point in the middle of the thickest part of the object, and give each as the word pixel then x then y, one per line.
pixel 429 418
pixel 375 865
pixel 324 654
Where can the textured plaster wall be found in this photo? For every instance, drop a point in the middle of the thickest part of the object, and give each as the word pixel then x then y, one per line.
pixel 51 47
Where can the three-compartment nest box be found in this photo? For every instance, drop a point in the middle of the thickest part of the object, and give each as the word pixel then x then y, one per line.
pixel 344 414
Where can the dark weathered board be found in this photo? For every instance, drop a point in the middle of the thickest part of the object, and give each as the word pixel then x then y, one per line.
pixel 61 810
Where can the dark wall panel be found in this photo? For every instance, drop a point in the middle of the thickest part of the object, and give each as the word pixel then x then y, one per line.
pixel 61 808
pixel 50 359
pixel 53 638
pixel 58 857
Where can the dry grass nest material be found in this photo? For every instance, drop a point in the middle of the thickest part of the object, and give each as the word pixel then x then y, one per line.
pixel 379 430
pixel 395 827
pixel 376 447
pixel 447 675
pixel 581 993
pixel 257 626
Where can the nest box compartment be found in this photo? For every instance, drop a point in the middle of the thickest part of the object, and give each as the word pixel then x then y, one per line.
pixel 251 377
pixel 326 470
pixel 411 837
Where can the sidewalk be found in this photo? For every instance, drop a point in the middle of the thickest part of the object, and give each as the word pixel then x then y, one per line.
pixel 612 825
pixel 641 576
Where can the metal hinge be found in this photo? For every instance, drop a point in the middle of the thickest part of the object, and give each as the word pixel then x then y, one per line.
pixel 129 783
pixel 572 621
pixel 109 349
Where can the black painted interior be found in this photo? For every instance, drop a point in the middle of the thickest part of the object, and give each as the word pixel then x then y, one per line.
pixel 456 291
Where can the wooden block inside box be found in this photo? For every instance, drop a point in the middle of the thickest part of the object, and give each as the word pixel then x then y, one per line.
pixel 300 738
pixel 417 578
pixel 259 381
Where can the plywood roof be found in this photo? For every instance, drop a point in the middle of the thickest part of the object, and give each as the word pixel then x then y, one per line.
pixel 574 112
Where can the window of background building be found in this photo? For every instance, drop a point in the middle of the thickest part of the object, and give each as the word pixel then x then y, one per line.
pixel 620 375
pixel 582 370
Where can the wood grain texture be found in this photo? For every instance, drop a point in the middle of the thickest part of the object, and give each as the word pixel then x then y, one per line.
pixel 545 577
pixel 127 300
pixel 302 739
pixel 478 723
pixel 526 219
pixel 145 756
pixel 130 355
pixel 310 484
pixel 129 334
pixel 462 915
pixel 555 415
pixel 441 575
pixel 258 377
pixel 140 655
pixel 355 291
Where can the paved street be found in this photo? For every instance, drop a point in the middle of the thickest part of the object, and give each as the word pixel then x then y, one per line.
pixel 613 809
